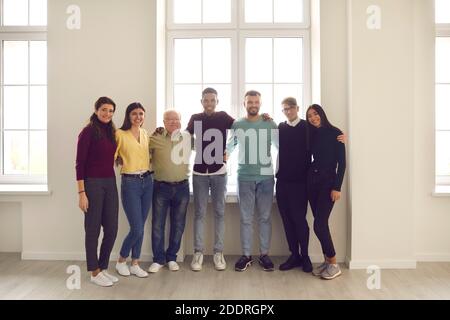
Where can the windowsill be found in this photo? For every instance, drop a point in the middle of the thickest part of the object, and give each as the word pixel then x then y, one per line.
pixel 24 190
pixel 441 191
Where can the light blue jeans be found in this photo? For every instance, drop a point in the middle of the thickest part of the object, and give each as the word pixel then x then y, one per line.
pixel 218 186
pixel 257 194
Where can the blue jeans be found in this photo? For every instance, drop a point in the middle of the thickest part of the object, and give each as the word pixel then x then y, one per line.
pixel 176 198
pixel 218 185
pixel 137 196
pixel 259 194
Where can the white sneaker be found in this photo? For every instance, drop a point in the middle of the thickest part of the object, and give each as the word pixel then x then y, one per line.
pixel 219 261
pixel 101 280
pixel 197 261
pixel 173 266
pixel 154 268
pixel 138 272
pixel 110 277
pixel 122 268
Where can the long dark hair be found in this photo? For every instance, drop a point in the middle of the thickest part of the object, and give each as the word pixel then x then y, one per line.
pixel 97 125
pixel 126 121
pixel 324 122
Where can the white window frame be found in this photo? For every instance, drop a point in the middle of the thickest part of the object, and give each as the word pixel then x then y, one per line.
pixel 442 30
pixel 238 31
pixel 305 34
pixel 276 25
pixel 196 34
pixel 171 25
pixel 17 33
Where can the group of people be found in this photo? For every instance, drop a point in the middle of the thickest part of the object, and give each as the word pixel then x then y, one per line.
pixel 155 175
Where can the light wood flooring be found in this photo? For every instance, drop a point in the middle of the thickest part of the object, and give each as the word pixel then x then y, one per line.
pixel 47 280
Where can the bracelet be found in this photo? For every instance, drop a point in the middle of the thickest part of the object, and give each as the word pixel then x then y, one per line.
pixel 80 192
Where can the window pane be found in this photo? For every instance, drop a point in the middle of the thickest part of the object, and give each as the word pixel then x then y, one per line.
pixel 38 62
pixel 38 12
pixel 442 153
pixel 16 152
pixel 266 97
pixel 258 11
pixel 216 11
pixel 38 107
pixel 187 101
pixel 15 62
pixel 15 12
pixel 188 67
pixel 282 91
pixel 224 96
pixel 442 60
pixel 288 60
pixel 187 11
pixel 16 107
pixel 288 11
pixel 38 152
pixel 217 60
pixel 442 11
pixel 258 60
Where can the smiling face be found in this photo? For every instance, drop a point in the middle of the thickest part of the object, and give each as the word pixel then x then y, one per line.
pixel 209 102
pixel 252 104
pixel 291 112
pixel 105 113
pixel 314 118
pixel 172 121
pixel 137 117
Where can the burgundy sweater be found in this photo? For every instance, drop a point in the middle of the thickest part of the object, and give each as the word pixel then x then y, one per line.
pixel 95 157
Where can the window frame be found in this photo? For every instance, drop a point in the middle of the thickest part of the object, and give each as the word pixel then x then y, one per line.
pixel 442 30
pixel 238 31
pixel 18 33
pixel 306 24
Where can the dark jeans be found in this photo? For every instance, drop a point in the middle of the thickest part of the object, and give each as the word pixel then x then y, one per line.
pixel 137 196
pixel 320 184
pixel 102 212
pixel 292 203
pixel 175 199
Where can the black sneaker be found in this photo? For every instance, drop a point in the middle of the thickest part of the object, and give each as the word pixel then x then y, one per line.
pixel 291 263
pixel 243 263
pixel 306 264
pixel 266 263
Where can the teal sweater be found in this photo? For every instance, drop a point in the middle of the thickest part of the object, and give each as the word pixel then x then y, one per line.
pixel 255 140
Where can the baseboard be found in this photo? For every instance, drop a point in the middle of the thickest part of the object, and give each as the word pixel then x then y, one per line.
pixel 77 256
pixel 81 256
pixel 382 264
pixel 433 257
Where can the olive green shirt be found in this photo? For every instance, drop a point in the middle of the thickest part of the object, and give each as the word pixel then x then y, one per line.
pixel 170 156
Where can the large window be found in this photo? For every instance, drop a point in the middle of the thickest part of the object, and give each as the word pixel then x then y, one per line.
pixel 443 92
pixel 23 91
pixel 235 46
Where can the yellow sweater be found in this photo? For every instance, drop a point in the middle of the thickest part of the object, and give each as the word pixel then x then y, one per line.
pixel 135 155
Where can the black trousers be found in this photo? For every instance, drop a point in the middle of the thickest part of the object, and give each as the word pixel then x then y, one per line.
pixel 293 205
pixel 320 185
pixel 102 212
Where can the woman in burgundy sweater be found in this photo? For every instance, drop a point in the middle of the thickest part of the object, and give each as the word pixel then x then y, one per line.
pixel 97 189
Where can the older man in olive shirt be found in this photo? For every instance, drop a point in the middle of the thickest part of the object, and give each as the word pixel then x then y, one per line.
pixel 170 159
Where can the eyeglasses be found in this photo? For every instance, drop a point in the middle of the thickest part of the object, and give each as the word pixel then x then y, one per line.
pixel 286 110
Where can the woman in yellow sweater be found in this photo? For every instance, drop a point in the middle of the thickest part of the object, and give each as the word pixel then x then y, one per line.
pixel 136 186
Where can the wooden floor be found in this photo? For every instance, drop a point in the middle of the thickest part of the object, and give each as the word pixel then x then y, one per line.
pixel 47 280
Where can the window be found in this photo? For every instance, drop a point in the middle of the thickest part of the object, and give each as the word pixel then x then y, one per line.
pixel 23 94
pixel 442 92
pixel 235 46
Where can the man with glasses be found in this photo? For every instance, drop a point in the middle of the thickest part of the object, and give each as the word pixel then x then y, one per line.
pixel 293 161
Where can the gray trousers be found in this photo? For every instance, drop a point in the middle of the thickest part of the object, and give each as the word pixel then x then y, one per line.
pixel 102 212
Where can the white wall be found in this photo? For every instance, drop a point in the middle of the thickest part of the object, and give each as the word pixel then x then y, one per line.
pixel 382 131
pixel 432 215
pixel 10 227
